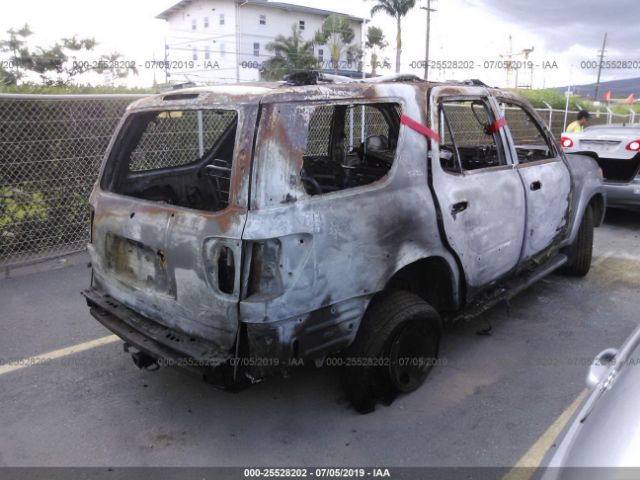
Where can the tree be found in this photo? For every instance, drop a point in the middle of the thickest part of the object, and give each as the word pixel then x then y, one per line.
pixel 397 9
pixel 113 63
pixel 58 64
pixel 16 45
pixel 61 61
pixel 375 40
pixel 337 34
pixel 290 54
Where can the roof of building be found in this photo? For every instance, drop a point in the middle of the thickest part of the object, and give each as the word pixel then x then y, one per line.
pixel 262 3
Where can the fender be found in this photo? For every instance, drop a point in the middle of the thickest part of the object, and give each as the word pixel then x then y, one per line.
pixel 587 186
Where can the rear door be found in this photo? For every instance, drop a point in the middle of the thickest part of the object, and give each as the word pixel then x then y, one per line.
pixel 544 174
pixel 169 217
pixel 479 192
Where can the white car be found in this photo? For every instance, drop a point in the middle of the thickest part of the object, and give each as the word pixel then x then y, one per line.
pixel 616 148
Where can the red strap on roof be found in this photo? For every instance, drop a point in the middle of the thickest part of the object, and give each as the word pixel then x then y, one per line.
pixel 497 125
pixel 418 127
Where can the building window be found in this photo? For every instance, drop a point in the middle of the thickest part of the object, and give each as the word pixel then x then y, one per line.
pixel 222 19
pixel 223 50
pixel 207 52
pixel 263 19
pixel 194 24
pixel 206 22
pixel 302 25
pixel 256 49
pixel 194 53
pixel 321 55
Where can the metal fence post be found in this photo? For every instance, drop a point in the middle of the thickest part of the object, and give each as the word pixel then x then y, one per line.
pixel 567 95
pixel 550 108
pixel 200 134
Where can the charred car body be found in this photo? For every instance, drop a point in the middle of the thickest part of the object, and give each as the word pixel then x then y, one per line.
pixel 236 229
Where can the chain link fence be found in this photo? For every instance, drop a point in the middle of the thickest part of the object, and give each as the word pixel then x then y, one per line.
pixel 51 147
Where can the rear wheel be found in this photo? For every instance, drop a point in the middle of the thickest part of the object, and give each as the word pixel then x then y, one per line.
pixel 580 252
pixel 394 351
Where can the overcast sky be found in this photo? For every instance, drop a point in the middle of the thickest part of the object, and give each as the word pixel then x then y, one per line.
pixel 562 32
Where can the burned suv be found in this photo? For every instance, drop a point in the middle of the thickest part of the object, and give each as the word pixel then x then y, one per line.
pixel 241 230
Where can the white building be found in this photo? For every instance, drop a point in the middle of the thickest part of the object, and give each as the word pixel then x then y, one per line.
pixel 225 40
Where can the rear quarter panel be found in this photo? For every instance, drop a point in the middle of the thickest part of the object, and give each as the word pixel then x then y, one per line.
pixel 587 185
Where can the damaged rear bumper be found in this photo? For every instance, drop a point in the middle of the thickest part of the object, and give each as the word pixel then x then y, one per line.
pixel 166 346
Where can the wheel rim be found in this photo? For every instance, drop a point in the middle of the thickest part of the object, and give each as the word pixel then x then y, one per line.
pixel 412 351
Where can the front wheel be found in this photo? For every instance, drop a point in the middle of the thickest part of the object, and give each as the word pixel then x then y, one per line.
pixel 394 351
pixel 580 252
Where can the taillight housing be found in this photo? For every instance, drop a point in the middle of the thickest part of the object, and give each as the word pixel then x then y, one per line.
pixel 566 142
pixel 634 146
pixel 265 278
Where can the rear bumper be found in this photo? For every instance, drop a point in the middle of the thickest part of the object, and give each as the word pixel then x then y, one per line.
pixel 167 346
pixel 623 194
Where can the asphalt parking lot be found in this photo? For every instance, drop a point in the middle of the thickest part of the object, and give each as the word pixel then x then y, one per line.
pixel 492 400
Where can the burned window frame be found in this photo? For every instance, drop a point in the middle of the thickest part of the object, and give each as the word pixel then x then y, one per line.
pixel 289 188
pixel 383 108
pixel 554 153
pixel 115 169
pixel 499 139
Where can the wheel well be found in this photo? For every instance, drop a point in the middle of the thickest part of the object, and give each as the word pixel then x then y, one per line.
pixel 597 203
pixel 429 278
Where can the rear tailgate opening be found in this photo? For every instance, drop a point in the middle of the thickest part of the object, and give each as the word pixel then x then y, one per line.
pixel 181 158
pixel 168 220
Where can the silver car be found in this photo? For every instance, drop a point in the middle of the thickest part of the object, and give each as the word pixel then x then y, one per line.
pixel 616 148
pixel 606 430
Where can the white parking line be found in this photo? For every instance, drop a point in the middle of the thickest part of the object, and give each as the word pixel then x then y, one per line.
pixel 524 469
pixel 63 352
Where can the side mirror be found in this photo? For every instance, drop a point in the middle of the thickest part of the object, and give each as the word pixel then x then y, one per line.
pixel 600 366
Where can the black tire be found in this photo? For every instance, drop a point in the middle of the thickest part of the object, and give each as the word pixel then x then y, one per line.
pixel 393 352
pixel 580 252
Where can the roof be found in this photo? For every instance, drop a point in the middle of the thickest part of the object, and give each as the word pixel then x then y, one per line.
pixel 330 87
pixel 265 92
pixel 289 7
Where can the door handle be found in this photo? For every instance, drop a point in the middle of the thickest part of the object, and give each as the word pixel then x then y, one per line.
pixel 537 185
pixel 459 207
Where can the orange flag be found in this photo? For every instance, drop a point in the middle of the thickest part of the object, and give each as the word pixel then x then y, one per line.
pixel 629 99
pixel 607 95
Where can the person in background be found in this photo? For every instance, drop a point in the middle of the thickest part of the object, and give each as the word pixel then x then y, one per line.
pixel 581 120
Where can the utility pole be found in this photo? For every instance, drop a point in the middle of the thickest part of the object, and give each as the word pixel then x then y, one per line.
pixel 426 57
pixel 604 44
pixel 166 62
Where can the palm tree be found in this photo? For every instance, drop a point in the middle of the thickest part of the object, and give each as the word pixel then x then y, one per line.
pixel 291 54
pixel 396 9
pixel 375 41
pixel 337 34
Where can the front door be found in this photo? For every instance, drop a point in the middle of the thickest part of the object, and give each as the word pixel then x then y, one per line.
pixel 545 177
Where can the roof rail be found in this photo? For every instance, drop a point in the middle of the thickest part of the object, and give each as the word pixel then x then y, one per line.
pixel 475 82
pixel 395 77
pixel 179 86
pixel 313 77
